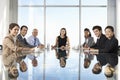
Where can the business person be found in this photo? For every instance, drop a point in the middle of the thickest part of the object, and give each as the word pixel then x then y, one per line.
pixel 100 44
pixel 89 41
pixel 34 40
pixel 109 54
pixel 62 44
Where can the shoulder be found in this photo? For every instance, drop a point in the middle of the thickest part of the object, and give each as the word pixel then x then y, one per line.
pixel 90 38
pixel 58 37
pixel 8 39
pixel 115 39
pixel 37 38
pixel 66 37
pixel 18 36
pixel 31 37
pixel 103 37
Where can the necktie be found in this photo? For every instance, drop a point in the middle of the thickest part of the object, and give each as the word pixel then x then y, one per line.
pixel 34 41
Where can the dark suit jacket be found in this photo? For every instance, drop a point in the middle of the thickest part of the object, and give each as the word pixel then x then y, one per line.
pixel 24 41
pixel 100 42
pixel 111 46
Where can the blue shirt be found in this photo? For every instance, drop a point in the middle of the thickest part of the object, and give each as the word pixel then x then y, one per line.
pixel 33 41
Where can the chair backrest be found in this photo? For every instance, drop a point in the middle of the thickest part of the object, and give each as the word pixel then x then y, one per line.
pixel 1 47
pixel 118 50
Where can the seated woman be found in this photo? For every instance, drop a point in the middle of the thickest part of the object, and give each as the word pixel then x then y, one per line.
pixel 89 41
pixel 62 44
pixel 12 48
pixel 62 41
pixel 108 55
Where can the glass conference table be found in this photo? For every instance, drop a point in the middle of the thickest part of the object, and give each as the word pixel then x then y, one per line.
pixel 49 67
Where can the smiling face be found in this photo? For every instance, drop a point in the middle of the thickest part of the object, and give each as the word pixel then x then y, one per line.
pixel 86 34
pixel 23 31
pixel 109 33
pixel 62 32
pixel 97 32
pixel 14 31
pixel 35 32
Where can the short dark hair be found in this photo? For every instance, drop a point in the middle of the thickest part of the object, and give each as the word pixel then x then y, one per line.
pixel 109 75
pixel 97 27
pixel 110 27
pixel 24 26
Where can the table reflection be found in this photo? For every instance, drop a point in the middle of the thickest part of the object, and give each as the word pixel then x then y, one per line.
pixel 46 66
pixel 87 59
pixel 62 55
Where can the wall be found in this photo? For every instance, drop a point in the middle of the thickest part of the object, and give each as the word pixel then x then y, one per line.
pixel 4 18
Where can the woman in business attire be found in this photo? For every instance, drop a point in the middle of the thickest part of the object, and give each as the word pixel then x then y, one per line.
pixel 11 50
pixel 89 41
pixel 62 42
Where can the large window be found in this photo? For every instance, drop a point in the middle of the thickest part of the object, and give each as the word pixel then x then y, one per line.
pixel 49 16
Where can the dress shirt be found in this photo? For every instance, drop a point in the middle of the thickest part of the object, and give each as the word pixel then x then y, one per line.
pixel 33 41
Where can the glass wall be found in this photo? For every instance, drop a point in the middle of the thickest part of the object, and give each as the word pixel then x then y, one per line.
pixel 49 16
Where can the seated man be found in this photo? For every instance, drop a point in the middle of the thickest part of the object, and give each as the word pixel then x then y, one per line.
pixel 21 38
pixel 34 41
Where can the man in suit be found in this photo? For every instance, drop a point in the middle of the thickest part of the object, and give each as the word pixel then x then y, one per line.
pixel 21 37
pixel 22 40
pixel 100 43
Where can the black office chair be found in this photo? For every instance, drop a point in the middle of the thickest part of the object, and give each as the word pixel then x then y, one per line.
pixel 1 47
pixel 118 50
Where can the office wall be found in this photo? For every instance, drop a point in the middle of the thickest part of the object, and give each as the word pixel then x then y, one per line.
pixel 118 28
pixel 118 20
pixel 4 18
pixel 8 14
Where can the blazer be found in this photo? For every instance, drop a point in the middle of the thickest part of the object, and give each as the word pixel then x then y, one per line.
pixel 24 41
pixel 11 48
pixel 91 42
pixel 111 47
pixel 100 44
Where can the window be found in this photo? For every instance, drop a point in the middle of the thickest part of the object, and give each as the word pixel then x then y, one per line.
pixel 49 16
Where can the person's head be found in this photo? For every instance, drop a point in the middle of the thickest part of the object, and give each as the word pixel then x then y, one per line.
pixel 109 74
pixel 97 31
pixel 86 63
pixel 34 62
pixel 63 31
pixel 23 66
pixel 23 30
pixel 109 32
pixel 13 72
pixel 13 29
pixel 108 71
pixel 62 62
pixel 87 33
pixel 96 70
pixel 35 32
